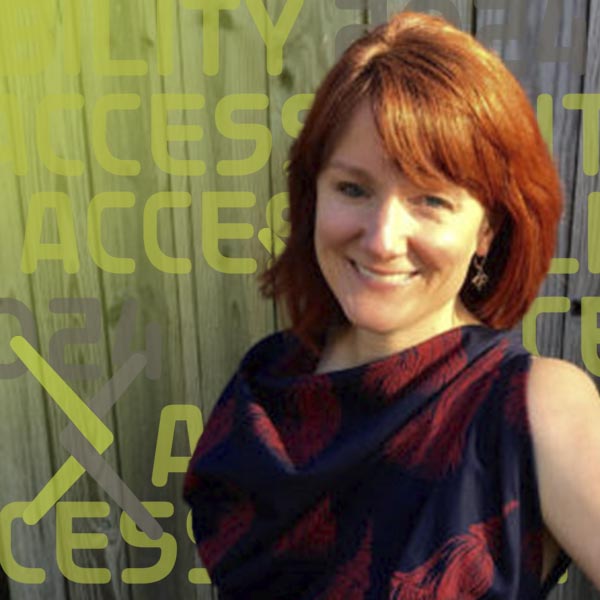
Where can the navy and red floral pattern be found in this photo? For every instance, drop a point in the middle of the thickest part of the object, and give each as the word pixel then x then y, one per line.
pixel 411 477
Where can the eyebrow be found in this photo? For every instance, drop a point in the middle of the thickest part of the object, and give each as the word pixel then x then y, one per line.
pixel 355 170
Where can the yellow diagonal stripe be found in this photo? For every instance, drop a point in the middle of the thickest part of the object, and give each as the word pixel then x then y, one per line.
pixel 53 491
pixel 79 413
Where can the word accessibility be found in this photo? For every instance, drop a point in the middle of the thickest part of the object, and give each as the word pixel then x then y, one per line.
pixel 66 248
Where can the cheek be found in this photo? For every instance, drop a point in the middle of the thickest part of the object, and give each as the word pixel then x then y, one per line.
pixel 445 249
pixel 332 227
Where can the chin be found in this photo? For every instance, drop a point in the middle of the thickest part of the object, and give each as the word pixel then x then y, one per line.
pixel 374 324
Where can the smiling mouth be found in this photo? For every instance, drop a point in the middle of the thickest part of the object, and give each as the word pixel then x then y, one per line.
pixel 391 278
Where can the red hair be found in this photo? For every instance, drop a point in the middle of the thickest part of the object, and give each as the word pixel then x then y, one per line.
pixel 447 111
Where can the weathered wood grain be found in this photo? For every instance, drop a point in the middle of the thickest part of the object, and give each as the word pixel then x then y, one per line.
pixel 206 319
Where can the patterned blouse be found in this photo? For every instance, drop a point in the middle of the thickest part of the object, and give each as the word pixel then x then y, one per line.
pixel 411 477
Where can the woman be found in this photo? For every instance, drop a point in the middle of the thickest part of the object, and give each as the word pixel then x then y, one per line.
pixel 396 443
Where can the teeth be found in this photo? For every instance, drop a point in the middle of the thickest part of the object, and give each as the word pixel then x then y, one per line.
pixel 396 278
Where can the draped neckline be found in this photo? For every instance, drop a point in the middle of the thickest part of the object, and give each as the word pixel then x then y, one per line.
pixel 281 363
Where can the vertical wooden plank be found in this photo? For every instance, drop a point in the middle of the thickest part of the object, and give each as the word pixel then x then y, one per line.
pixel 459 12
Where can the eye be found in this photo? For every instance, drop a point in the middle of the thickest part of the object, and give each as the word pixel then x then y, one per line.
pixel 435 202
pixel 352 190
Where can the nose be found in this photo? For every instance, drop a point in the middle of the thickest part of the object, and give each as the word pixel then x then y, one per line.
pixel 387 229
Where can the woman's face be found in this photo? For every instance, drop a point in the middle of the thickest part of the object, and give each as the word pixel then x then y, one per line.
pixel 395 256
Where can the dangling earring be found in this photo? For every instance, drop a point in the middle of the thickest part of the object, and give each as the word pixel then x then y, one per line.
pixel 480 278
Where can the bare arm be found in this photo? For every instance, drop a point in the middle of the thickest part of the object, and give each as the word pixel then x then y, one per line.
pixel 564 412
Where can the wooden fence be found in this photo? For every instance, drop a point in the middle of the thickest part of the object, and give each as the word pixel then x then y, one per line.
pixel 124 124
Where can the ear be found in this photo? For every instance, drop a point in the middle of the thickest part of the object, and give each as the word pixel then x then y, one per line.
pixel 485 237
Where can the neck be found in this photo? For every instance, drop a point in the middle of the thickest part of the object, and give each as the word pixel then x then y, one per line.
pixel 349 346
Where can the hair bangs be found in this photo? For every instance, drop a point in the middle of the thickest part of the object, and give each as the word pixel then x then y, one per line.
pixel 431 133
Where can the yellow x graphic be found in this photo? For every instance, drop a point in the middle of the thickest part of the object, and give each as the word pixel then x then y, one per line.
pixel 93 429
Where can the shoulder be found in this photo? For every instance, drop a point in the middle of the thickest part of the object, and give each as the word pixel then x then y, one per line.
pixel 553 376
pixel 559 390
pixel 562 402
pixel 564 414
